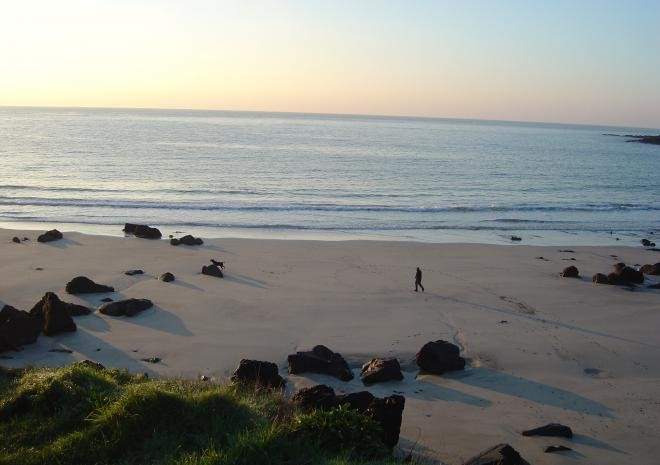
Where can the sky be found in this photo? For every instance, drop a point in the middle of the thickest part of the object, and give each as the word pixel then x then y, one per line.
pixel 558 61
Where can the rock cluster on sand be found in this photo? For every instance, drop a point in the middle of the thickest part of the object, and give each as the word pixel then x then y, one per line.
pixel 501 454
pixel 84 285
pixel 439 357
pixel 142 231
pixel 258 374
pixel 187 240
pixel 380 370
pixel 622 276
pixel 647 243
pixel 387 412
pixel 551 429
pixel 570 272
pixel 320 360
pixel 128 307
pixel 49 236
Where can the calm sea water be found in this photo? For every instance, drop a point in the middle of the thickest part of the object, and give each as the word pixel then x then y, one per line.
pixel 321 176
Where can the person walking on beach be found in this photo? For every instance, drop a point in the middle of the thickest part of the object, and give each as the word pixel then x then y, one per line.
pixel 418 279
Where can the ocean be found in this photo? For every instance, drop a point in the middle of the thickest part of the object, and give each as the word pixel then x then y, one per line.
pixel 311 176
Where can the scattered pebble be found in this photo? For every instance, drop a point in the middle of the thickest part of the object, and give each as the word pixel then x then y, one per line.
pixel 151 359
pixel 133 272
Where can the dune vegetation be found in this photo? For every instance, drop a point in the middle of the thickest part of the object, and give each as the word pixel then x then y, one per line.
pixel 86 414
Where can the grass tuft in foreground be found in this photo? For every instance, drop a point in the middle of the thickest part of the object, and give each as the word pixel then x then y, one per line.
pixel 81 414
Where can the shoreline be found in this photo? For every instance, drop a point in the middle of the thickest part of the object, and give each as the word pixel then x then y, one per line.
pixel 444 236
pixel 540 348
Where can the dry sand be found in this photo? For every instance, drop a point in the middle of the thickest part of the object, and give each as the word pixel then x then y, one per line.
pixel 541 348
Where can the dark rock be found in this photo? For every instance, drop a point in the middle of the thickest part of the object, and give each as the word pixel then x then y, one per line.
pixel 62 351
pixel 128 307
pixel 388 412
pixel 359 401
pixel 550 449
pixel 212 270
pixel 107 299
pixel 133 272
pixel 151 360
pixel 54 315
pixel 187 240
pixel 320 360
pixel 50 236
pixel 84 285
pixel 259 374
pixel 16 240
pixel 647 243
pixel 380 370
pixel 167 277
pixel 619 266
pixel 567 250
pixel 551 429
pixel 630 275
pixel 17 328
pixel 516 238
pixel 91 364
pixel 50 298
pixel 440 356
pixel 651 269
pixel 217 263
pixel 600 278
pixel 316 397
pixel 570 272
pixel 143 231
pixel 501 454
pixel 653 140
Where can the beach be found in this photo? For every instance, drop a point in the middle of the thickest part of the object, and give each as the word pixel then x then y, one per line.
pixel 540 348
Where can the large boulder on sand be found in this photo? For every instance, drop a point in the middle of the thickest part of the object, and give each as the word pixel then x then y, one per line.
pixel 440 356
pixel 501 454
pixel 259 374
pixel 128 307
pixel 551 429
pixel 53 314
pixel 387 412
pixel 84 285
pixel 48 299
pixel 49 236
pixel 651 269
pixel 142 230
pixel 320 360
pixel 570 272
pixel 379 370
pixel 17 328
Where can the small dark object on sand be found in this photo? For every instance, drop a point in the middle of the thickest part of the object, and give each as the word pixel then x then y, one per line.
pixel 64 351
pixel 151 360
pixel 567 250
pixel 551 429
pixel 107 299
pixel 217 263
pixel 550 449
pixel 516 238
pixel 647 243
pixel 133 272
pixel 50 236
pixel 439 357
pixel 212 270
pixel 16 240
pixel 600 278
pixel 187 240
pixel 570 272
pixel 504 322
pixel 142 230
pixel 167 277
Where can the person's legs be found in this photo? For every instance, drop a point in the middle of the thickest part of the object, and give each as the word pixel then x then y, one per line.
pixel 416 283
pixel 420 285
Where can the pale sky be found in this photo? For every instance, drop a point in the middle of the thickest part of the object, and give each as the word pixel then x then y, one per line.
pixel 560 61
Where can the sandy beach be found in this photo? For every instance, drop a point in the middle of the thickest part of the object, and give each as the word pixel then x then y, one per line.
pixel 540 348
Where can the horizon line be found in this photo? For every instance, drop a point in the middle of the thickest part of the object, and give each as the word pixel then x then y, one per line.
pixel 353 115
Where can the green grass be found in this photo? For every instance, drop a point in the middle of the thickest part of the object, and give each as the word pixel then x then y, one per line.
pixel 82 415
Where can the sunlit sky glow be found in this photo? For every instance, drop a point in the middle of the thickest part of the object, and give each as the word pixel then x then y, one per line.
pixel 581 61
